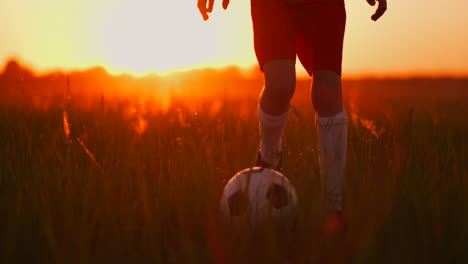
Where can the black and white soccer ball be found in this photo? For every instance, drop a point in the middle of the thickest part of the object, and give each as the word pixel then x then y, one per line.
pixel 256 195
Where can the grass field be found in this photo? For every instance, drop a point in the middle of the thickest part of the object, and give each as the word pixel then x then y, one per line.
pixel 137 179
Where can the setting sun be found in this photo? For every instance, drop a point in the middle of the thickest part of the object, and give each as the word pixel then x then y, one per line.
pixel 159 36
pixel 153 35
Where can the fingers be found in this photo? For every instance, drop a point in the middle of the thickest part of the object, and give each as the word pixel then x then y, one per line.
pixel 204 10
pixel 210 6
pixel 380 10
pixel 225 4
pixel 371 2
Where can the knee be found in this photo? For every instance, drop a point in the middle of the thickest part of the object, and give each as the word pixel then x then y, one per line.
pixel 278 91
pixel 327 96
pixel 280 83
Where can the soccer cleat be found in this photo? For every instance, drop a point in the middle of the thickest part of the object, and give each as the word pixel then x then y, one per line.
pixel 333 240
pixel 334 224
pixel 261 163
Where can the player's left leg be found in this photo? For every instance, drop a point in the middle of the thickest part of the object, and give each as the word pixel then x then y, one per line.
pixel 320 44
pixel 332 131
pixel 331 121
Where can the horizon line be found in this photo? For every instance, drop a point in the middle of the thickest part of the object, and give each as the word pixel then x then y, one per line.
pixel 250 71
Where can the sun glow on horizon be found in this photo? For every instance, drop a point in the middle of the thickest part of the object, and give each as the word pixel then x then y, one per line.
pixel 165 36
pixel 143 36
pixel 136 37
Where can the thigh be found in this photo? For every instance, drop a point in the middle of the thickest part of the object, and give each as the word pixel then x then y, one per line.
pixel 280 77
pixel 274 31
pixel 320 34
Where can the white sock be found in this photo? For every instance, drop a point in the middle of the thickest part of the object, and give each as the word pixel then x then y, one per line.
pixel 271 130
pixel 333 140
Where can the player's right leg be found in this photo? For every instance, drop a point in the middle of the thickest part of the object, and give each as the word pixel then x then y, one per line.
pixel 273 110
pixel 274 39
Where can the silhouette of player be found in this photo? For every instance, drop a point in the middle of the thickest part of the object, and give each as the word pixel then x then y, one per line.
pixel 313 30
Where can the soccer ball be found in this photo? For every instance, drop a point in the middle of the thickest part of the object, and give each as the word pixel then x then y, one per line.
pixel 256 195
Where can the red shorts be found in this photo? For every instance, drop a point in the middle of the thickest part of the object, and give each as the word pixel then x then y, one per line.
pixel 312 31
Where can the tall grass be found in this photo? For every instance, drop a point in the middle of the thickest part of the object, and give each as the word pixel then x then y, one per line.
pixel 109 190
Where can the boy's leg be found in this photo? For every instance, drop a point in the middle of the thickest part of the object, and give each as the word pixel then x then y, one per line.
pixel 320 45
pixel 273 108
pixel 275 48
pixel 332 127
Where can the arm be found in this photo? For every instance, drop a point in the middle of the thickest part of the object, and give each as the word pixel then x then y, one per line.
pixel 381 8
pixel 206 6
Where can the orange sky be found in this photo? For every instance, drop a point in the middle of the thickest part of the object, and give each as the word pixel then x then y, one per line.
pixel 414 37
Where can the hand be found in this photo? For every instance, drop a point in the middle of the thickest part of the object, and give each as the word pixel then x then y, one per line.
pixel 206 6
pixel 380 9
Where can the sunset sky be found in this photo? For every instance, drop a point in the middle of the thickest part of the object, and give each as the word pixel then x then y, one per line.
pixel 414 37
